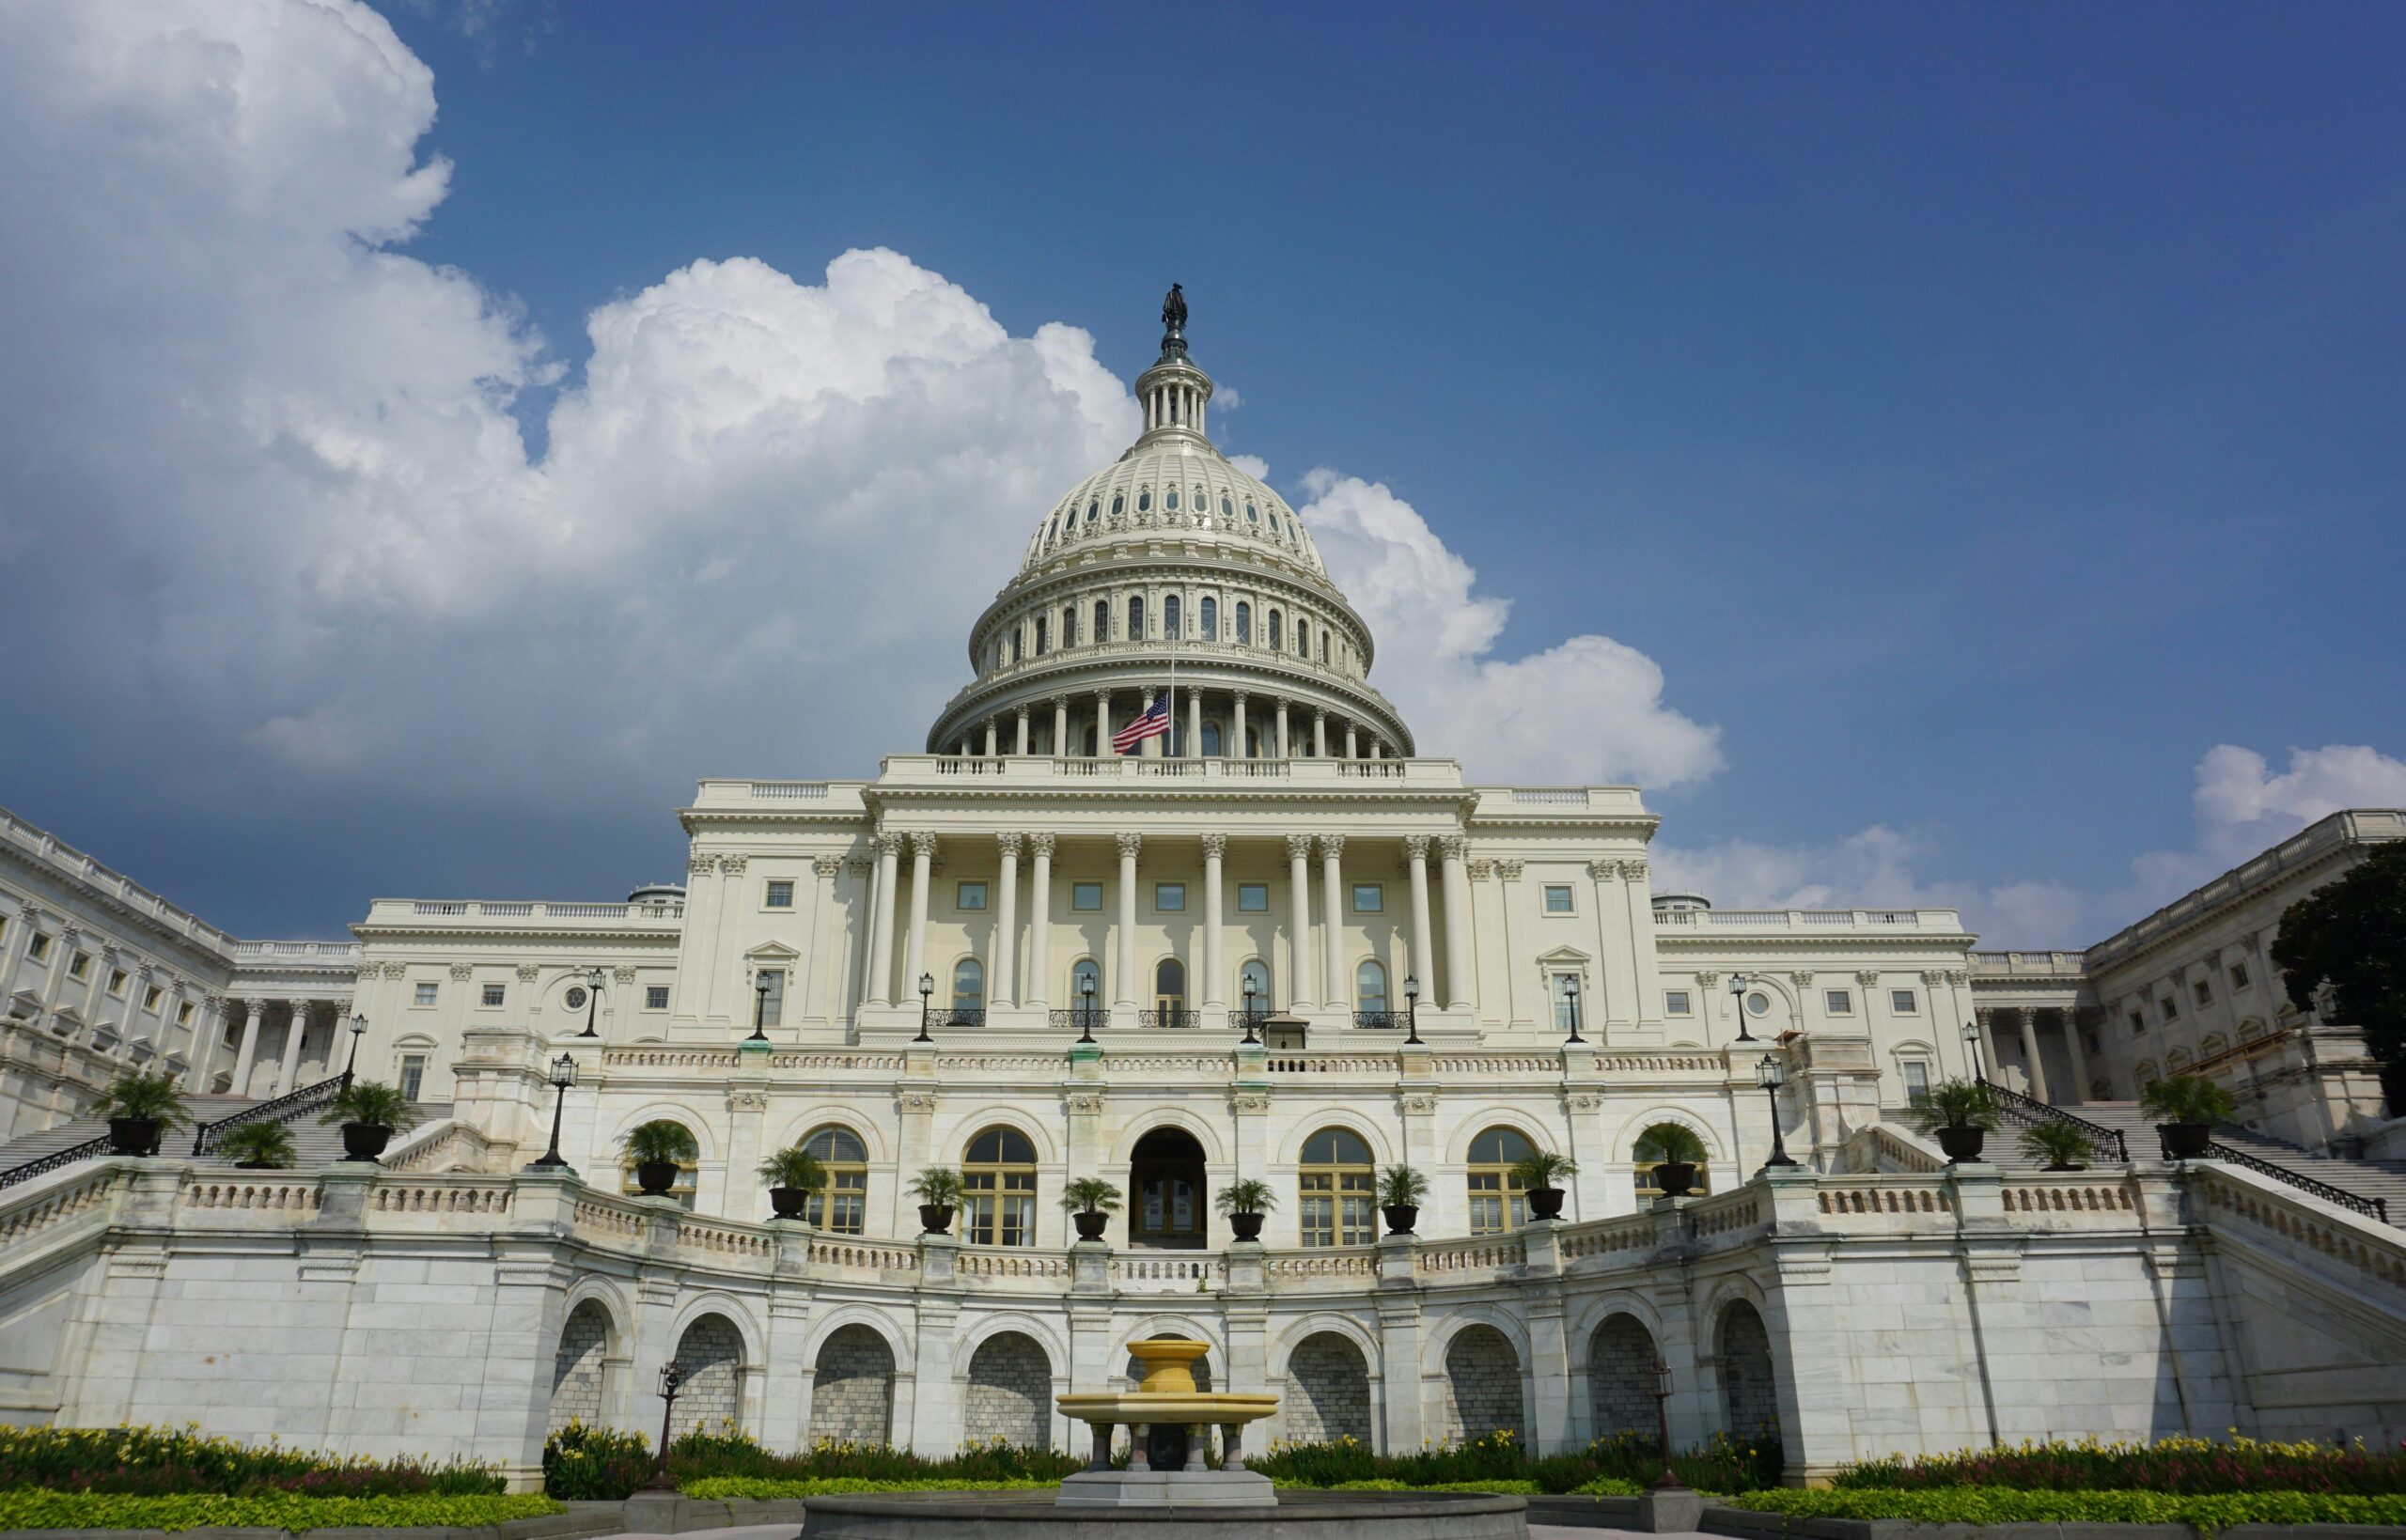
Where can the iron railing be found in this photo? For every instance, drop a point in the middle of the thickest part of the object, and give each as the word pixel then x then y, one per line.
pixel 283 1108
pixel 1176 1017
pixel 1240 1017
pixel 89 1149
pixel 1382 1020
pixel 1080 1018
pixel 959 1015
pixel 2374 1208
pixel 2104 1143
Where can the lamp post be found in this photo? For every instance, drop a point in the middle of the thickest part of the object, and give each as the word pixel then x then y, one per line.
pixel 358 1030
pixel 1570 998
pixel 671 1375
pixel 759 1007
pixel 1769 1076
pixel 592 999
pixel 563 1075
pixel 927 992
pixel 1252 991
pixel 1737 983
pixel 1412 1008
pixel 1086 1014
pixel 1669 1480
pixel 1972 1047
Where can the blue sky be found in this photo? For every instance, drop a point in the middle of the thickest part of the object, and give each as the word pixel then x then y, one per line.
pixel 1988 420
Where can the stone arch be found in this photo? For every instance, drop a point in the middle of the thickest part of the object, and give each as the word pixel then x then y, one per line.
pixel 1620 1375
pixel 1158 1118
pixel 1328 1391
pixel 1000 1115
pixel 694 1122
pixel 710 1351
pixel 577 1368
pixel 1290 1150
pixel 851 1396
pixel 1749 1393
pixel 1481 1391
pixel 843 1115
pixel 1625 1133
pixel 1458 1142
pixel 1008 1396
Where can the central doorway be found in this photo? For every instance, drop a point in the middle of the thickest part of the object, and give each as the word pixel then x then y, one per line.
pixel 1165 1173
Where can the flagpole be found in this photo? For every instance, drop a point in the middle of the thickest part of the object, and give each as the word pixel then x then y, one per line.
pixel 1171 738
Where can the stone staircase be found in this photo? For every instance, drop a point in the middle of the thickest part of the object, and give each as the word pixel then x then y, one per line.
pixel 315 1145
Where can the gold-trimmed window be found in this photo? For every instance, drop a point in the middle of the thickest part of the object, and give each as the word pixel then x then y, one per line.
pixel 1496 1201
pixel 998 1179
pixel 1335 1186
pixel 843 1208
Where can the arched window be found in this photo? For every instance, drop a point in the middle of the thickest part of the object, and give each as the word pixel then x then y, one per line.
pixel 1170 505
pixel 1323 646
pixel 1370 987
pixel 1145 500
pixel 1225 510
pixel 1244 623
pixel 1068 625
pixel 687 1169
pixel 1567 1006
pixel 1136 617
pixel 1334 1188
pixel 1210 740
pixel 1651 1152
pixel 1051 528
pixel 1118 504
pixel 1169 991
pixel 1085 975
pixel 968 990
pixel 1093 508
pixel 998 1176
pixel 1496 1204
pixel 843 1208
pixel 1303 637
pixel 1252 516
pixel 1207 616
pixel 1256 972
pixel 2145 1073
pixel 1043 634
pixel 1102 620
pixel 1170 617
pixel 1277 636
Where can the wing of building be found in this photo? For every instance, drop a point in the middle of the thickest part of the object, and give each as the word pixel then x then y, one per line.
pixel 1273 940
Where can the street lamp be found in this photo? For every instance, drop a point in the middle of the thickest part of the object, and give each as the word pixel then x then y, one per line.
pixel 1251 990
pixel 1737 983
pixel 1971 1047
pixel 1570 998
pixel 1768 1075
pixel 671 1375
pixel 1085 1016
pixel 1669 1480
pixel 759 1006
pixel 1412 1006
pixel 563 1075
pixel 927 992
pixel 358 1030
pixel 592 999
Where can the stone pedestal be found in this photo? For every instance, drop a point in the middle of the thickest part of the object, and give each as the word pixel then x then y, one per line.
pixel 1167 1489
pixel 1675 1510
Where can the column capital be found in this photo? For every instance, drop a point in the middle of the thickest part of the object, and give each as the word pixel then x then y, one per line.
pixel 888 842
pixel 1868 977
pixel 1130 843
pixel 1007 843
pixel 1058 703
pixel 1452 846
pixel 1299 846
pixel 1332 846
pixel 1319 714
pixel 1215 846
pixel 826 865
pixel 1022 710
pixel 1040 844
pixel 700 866
pixel 1632 871
pixel 1242 696
pixel 733 865
pixel 1510 870
pixel 1605 871
pixel 1416 847
pixel 923 843
pixel 1984 1014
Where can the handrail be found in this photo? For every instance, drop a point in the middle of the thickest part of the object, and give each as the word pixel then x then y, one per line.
pixel 2376 1209
pixel 55 1159
pixel 282 1108
pixel 2104 1143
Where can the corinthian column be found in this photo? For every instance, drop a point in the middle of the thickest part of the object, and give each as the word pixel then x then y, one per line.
pixel 1215 997
pixel 2033 1068
pixel 1102 724
pixel 1424 967
pixel 1338 997
pixel 1457 964
pixel 1006 916
pixel 1125 986
pixel 290 1070
pixel 1060 727
pixel 881 934
pixel 1298 894
pixel 915 950
pixel 1040 933
pixel 1236 749
pixel 248 1054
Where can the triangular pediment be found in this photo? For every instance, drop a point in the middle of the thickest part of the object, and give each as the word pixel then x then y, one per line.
pixel 1566 956
pixel 773 952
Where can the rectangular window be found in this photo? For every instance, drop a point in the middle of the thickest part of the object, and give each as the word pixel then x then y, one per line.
pixel 1916 1081
pixel 1002 1208
pixel 781 894
pixel 412 1075
pixel 183 1014
pixel 1557 899
pixel 843 1208
pixel 151 996
pixel 116 981
pixel 1169 897
pixel 2138 1022
pixel 1085 897
pixel 492 994
pixel 1253 899
pixel 2170 1005
pixel 1336 1207
pixel 1369 899
pixel 1901 1001
pixel 1838 1001
pixel 81 966
pixel 970 895
pixel 38 946
pixel 773 1012
pixel 655 997
pixel 2239 975
pixel 1675 1002
pixel 2203 991
pixel 426 992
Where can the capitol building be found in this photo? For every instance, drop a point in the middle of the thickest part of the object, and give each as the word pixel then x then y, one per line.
pixel 1277 937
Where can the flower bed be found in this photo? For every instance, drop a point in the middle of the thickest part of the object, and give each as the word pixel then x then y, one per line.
pixel 2206 1511
pixel 26 1508
pixel 1620 1465
pixel 764 1488
pixel 2192 1466
pixel 182 1462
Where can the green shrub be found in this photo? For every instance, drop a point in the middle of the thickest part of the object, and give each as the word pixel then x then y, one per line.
pixel 726 1453
pixel 1508 1489
pixel 1625 1461
pixel 25 1508
pixel 137 1095
pixel 659 1141
pixel 2010 1505
pixel 2186 1099
pixel 794 1167
pixel 374 1103
pixel 1954 1104
pixel 159 1461
pixel 587 1464
pixel 268 1144
pixel 760 1489
pixel 2180 1465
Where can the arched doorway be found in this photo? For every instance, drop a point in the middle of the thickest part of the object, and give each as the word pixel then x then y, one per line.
pixel 1749 1397
pixel 851 1395
pixel 1620 1377
pixel 1482 1387
pixel 1328 1392
pixel 577 1369
pixel 711 1355
pixel 1166 1179
pixel 1010 1398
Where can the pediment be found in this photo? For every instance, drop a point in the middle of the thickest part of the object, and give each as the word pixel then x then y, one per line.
pixel 1566 956
pixel 774 952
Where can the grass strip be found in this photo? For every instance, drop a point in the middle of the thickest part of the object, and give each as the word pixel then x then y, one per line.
pixel 2206 1511
pixel 32 1508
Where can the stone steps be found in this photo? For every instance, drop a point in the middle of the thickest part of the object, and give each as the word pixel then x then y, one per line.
pixel 315 1144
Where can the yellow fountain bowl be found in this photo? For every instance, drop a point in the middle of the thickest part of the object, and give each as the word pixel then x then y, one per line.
pixel 1221 1408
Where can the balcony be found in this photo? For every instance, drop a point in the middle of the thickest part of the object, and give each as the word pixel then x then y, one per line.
pixel 1176 1019
pixel 459 913
pixel 1679 924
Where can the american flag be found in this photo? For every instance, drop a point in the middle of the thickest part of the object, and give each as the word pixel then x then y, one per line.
pixel 1153 724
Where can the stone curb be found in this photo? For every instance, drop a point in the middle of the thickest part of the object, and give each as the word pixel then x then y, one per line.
pixel 1747 1524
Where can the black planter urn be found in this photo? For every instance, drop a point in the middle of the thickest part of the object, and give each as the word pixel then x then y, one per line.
pixel 365 1141
pixel 789 1202
pixel 1401 1217
pixel 2186 1141
pixel 1091 1225
pixel 1545 1203
pixel 653 1178
pixel 1246 1226
pixel 935 1218
pixel 1961 1144
pixel 1675 1177
pixel 134 1136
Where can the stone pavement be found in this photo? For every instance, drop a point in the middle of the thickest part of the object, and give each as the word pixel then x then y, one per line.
pixel 1537 1532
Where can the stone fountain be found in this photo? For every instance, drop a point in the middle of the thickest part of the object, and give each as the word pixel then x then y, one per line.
pixel 1167 1398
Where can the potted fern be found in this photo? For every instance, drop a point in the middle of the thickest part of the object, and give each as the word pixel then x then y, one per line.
pixel 2060 1145
pixel 794 1176
pixel 938 1189
pixel 1245 1203
pixel 2185 1109
pixel 1959 1113
pixel 139 1108
pixel 656 1149
pixel 257 1147
pixel 1400 1189
pixel 1091 1202
pixel 1534 1173
pixel 370 1113
pixel 1676 1151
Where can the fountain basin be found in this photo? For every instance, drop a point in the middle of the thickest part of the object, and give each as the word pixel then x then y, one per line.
pixel 1167 1398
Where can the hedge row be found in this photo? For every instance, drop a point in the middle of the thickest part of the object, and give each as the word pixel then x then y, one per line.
pixel 2178 1464
pixel 2207 1511
pixel 32 1508
pixel 173 1462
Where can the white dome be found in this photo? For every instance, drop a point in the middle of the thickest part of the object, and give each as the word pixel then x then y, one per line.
pixel 1179 482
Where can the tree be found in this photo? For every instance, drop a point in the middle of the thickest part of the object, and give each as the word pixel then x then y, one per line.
pixel 2352 933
